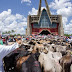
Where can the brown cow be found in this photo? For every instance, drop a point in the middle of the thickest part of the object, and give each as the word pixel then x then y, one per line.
pixel 65 62
pixel 20 61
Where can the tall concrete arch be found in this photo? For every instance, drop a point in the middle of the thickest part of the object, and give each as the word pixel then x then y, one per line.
pixel 47 7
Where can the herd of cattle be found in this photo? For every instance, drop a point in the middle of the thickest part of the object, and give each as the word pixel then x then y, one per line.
pixel 40 55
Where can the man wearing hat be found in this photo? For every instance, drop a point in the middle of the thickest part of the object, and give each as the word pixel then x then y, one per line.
pixel 4 50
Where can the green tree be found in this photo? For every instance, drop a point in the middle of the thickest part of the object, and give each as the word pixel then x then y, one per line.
pixel 12 31
pixel 67 35
pixel 3 33
pixel 18 34
pixel 9 32
pixel 14 34
pixel 6 32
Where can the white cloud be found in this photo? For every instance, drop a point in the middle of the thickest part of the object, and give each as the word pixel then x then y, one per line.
pixel 64 8
pixel 4 14
pixel 68 28
pixel 34 11
pixel 9 22
pixel 65 20
pixel 58 4
pixel 71 21
pixel 43 8
pixel 28 1
pixel 65 12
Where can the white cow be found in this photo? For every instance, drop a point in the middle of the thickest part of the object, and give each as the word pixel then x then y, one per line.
pixel 50 61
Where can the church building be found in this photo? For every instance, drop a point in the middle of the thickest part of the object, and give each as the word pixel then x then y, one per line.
pixel 44 22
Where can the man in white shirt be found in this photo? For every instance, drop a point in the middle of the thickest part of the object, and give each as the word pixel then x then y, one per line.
pixel 4 50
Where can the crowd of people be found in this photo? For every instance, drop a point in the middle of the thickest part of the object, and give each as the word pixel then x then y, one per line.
pixel 67 39
pixel 5 40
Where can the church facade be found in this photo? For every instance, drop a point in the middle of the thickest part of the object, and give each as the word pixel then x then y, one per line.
pixel 44 22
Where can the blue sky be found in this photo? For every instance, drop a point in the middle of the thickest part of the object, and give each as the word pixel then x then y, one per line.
pixel 17 7
pixel 15 12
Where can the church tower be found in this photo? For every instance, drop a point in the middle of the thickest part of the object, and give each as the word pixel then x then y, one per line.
pixel 44 22
pixel 47 7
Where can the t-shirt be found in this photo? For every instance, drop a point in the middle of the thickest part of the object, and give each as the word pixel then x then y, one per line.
pixel 4 50
pixel 1 42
